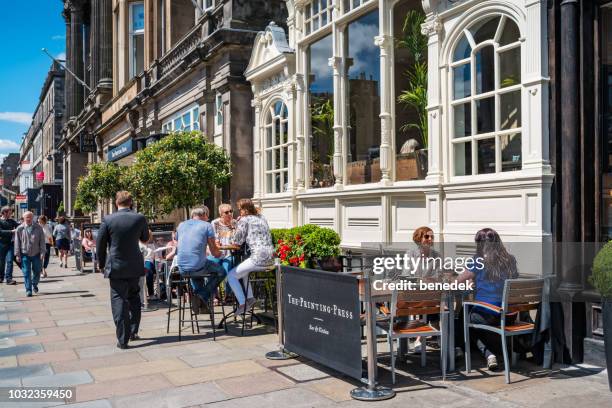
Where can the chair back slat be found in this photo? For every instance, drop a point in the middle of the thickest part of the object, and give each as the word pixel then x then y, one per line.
pixel 522 293
pixel 418 302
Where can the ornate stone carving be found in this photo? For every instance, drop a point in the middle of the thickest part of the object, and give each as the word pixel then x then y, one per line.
pixel 432 25
pixel 383 41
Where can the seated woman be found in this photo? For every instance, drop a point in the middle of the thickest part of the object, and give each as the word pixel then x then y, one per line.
pixel 224 227
pixel 253 229
pixel 89 244
pixel 497 265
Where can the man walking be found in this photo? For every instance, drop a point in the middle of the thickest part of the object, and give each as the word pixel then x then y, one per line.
pixel 8 226
pixel 193 237
pixel 30 247
pixel 120 233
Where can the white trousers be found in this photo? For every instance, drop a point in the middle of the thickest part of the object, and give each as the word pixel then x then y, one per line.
pixel 240 274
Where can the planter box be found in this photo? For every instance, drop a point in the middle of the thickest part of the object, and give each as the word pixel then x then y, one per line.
pixel 411 166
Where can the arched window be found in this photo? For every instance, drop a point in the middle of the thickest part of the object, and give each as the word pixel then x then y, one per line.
pixel 276 148
pixel 486 98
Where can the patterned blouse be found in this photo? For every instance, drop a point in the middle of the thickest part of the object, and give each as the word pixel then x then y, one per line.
pixel 224 233
pixel 255 231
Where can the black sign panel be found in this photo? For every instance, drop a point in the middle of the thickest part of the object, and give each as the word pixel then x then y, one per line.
pixel 88 142
pixel 321 318
pixel 162 227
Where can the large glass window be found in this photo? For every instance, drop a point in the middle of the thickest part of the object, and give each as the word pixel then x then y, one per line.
pixel 606 126
pixel 218 114
pixel 276 130
pixel 321 106
pixel 486 98
pixel 317 15
pixel 187 120
pixel 363 91
pixel 352 4
pixel 136 44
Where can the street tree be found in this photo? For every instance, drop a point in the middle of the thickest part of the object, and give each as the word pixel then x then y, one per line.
pixel 100 185
pixel 179 171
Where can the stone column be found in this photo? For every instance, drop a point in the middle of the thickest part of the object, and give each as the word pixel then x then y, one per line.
pixel 105 30
pixel 299 129
pixel 68 85
pixel 385 43
pixel 94 43
pixel 75 63
pixel 258 169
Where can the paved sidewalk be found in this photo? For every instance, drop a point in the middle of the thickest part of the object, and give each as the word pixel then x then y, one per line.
pixel 65 336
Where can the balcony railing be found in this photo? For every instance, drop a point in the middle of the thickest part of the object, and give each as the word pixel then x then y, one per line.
pixel 179 52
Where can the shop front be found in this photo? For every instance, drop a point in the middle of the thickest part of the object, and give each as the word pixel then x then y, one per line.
pixel 336 145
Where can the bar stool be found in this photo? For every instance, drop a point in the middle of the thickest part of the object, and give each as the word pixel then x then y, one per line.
pixel 185 291
pixel 255 278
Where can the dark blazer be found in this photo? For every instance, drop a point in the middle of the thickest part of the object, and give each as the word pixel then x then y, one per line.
pixel 120 233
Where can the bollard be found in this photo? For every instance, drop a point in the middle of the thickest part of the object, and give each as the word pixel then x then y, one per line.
pixel 371 392
pixel 281 353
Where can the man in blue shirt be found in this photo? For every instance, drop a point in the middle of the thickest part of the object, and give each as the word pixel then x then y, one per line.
pixel 193 237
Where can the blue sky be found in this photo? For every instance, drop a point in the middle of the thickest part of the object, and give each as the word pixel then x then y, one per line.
pixel 25 28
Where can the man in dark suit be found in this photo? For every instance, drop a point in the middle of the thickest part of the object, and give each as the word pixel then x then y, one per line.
pixel 120 233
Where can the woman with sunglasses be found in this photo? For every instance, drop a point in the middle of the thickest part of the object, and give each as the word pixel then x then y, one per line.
pixel 489 275
pixel 224 227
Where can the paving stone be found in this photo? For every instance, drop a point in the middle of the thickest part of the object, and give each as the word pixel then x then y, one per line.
pixel 293 397
pixel 21 349
pixel 25 371
pixel 82 343
pixel 47 357
pixel 9 361
pixel 40 338
pixel 121 387
pixel 302 372
pixel 332 388
pixel 57 380
pixel 92 404
pixel 244 386
pixel 126 357
pixel 188 396
pixel 33 325
pixel 18 333
pixel 81 320
pixel 7 342
pixel 214 372
pixel 138 369
pixel 85 333
pixel 206 358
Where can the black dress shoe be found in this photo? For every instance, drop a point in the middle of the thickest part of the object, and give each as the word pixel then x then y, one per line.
pixel 11 282
pixel 122 346
pixel 134 337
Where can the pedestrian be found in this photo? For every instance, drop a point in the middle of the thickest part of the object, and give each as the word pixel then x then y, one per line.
pixel 52 224
pixel 120 233
pixel 42 220
pixel 30 247
pixel 61 233
pixel 8 226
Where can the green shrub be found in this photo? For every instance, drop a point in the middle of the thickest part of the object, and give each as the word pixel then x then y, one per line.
pixel 322 243
pixel 601 278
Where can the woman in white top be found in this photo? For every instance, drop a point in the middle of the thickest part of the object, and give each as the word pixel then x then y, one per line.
pixel 42 220
pixel 148 253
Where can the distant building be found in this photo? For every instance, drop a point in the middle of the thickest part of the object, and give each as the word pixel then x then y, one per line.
pixel 8 169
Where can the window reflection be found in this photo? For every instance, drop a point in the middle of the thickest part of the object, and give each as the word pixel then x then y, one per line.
pixel 276 148
pixel 321 99
pixel 363 62
pixel 606 128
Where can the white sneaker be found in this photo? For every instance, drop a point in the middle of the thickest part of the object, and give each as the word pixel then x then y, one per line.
pixel 240 310
pixel 492 363
pixel 250 303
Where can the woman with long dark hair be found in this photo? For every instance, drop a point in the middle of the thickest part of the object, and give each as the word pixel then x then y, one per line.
pixel 492 266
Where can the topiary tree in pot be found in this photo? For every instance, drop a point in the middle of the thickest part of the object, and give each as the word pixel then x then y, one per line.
pixel 601 279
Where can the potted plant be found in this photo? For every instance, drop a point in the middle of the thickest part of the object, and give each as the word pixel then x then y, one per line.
pixel 413 164
pixel 601 279
pixel 323 246
pixel 308 246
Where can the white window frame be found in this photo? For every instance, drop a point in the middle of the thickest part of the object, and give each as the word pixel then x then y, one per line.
pixel 323 16
pixel 218 114
pixel 270 119
pixel 497 133
pixel 352 4
pixel 208 4
pixel 194 120
pixel 132 35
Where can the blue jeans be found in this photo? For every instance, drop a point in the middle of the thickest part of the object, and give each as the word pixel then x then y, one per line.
pixel 205 291
pixel 227 264
pixel 6 262
pixel 30 266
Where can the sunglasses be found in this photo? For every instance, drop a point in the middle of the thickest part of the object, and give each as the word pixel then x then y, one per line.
pixel 228 212
pixel 427 236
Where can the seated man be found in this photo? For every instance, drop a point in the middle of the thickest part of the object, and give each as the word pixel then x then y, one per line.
pixel 193 237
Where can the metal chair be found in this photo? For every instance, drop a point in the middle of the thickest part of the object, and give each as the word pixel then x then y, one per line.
pixel 184 296
pixel 520 295
pixel 416 303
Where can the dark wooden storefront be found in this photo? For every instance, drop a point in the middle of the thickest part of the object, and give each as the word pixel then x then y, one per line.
pixel 580 58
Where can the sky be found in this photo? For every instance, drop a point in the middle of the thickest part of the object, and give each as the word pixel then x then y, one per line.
pixel 25 28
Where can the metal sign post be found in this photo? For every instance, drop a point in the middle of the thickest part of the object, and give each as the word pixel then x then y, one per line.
pixel 281 353
pixel 371 392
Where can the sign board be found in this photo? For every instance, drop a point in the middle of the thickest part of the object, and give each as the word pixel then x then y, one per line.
pixel 124 149
pixel 21 197
pixel 321 318
pixel 23 206
pixel 87 142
